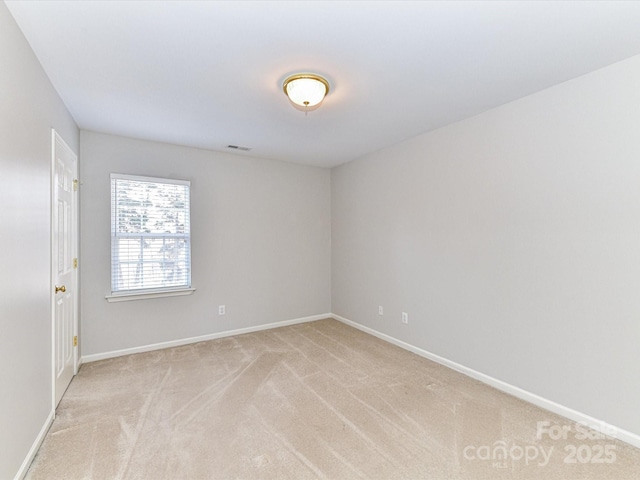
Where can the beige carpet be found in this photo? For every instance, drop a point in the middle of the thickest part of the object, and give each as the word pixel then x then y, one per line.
pixel 316 400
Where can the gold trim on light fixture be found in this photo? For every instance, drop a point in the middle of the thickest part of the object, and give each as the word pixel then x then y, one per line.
pixel 306 100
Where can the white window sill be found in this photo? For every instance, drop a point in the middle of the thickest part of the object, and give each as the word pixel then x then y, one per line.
pixel 128 296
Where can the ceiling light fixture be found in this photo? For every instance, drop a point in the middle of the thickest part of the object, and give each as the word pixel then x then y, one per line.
pixel 306 91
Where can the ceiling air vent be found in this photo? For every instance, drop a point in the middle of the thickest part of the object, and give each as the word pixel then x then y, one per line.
pixel 237 147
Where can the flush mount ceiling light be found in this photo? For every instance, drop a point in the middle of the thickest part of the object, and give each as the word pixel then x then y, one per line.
pixel 306 91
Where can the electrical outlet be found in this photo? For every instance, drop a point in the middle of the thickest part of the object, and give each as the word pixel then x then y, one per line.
pixel 380 310
pixel 405 317
pixel 221 310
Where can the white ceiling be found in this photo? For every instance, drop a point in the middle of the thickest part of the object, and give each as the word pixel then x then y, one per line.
pixel 209 73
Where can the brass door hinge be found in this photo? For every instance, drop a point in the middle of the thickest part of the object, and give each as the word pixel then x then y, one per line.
pixel 75 184
pixel 75 263
pixel 75 341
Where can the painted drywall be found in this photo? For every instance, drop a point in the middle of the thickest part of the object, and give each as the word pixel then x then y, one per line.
pixel 260 243
pixel 30 107
pixel 512 240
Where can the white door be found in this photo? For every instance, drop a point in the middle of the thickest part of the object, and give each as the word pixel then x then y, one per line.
pixel 64 231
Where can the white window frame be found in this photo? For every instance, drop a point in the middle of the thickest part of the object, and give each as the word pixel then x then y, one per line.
pixel 143 293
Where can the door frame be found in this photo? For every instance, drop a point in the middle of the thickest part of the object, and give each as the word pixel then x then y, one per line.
pixel 75 221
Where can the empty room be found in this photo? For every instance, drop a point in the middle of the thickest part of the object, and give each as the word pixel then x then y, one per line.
pixel 320 239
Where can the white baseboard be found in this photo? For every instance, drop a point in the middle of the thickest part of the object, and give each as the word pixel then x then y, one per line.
pixel 34 448
pixel 202 338
pixel 579 417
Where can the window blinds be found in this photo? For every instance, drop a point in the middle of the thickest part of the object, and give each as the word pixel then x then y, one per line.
pixel 150 234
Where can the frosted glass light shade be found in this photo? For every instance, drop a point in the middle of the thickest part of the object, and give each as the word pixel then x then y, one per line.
pixel 306 89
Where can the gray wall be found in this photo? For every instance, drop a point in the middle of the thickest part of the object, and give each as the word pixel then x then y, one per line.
pixel 512 239
pixel 29 108
pixel 260 243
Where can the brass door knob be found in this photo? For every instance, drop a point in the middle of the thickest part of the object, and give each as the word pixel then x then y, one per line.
pixel 61 289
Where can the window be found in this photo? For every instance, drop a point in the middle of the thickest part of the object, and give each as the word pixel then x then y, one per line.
pixel 150 235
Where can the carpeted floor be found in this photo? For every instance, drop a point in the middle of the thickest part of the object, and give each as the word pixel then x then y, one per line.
pixel 315 400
